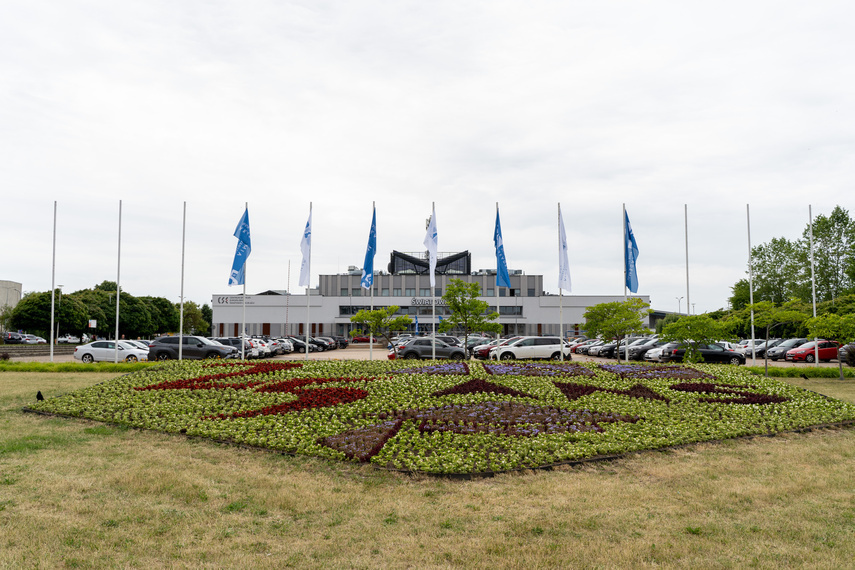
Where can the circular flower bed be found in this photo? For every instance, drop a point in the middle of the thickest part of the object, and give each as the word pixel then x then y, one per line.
pixel 454 418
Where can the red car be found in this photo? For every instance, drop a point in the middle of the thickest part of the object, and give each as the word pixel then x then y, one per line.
pixel 360 338
pixel 807 351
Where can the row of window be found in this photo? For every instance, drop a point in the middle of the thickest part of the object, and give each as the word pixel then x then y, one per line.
pixel 507 311
pixel 425 292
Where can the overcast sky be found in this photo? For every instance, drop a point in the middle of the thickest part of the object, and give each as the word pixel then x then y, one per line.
pixel 657 105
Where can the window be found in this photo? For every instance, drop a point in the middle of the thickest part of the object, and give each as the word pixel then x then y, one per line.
pixel 438 291
pixel 384 292
pixel 424 292
pixel 515 292
pixel 491 292
pixel 502 292
pixel 410 292
pixel 396 292
pixel 510 310
pixel 355 291
pixel 531 291
pixel 344 291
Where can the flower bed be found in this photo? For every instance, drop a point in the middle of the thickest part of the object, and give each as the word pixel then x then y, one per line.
pixel 452 417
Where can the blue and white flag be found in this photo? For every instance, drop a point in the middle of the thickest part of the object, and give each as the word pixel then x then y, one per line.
pixel 244 247
pixel 502 278
pixel 630 252
pixel 368 265
pixel 563 263
pixel 306 248
pixel 417 324
pixel 432 244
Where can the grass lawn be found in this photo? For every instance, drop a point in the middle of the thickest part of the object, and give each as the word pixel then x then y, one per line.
pixel 76 493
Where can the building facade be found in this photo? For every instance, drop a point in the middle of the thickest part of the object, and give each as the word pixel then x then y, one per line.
pixel 524 308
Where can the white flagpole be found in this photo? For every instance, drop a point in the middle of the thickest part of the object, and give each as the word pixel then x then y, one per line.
pixel 751 284
pixel 181 311
pixel 308 289
pixel 243 302
pixel 118 286
pixel 560 292
pixel 53 283
pixel 623 223
pixel 813 282
pixel 686 222
pixel 370 332
pixel 433 298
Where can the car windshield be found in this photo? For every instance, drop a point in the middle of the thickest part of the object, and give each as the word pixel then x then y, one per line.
pixel 790 342
pixel 204 340
pixel 810 344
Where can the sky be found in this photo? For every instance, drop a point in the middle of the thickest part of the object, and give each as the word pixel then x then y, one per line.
pixel 671 108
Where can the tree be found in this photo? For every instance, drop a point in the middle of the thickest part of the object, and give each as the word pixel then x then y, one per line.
pixel 671 318
pixel 695 330
pixel 832 326
pixel 32 313
pixel 617 319
pixel 779 270
pixel 381 322
pixel 164 314
pixel 208 318
pixel 741 297
pixel 834 253
pixel 467 311
pixel 194 322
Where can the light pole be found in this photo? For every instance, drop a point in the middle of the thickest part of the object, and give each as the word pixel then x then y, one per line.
pixel 678 304
pixel 693 309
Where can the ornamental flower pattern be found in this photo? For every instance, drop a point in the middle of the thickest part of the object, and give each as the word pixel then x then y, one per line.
pixel 451 417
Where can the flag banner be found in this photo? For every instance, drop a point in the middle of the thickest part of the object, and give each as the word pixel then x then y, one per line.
pixel 368 265
pixel 432 244
pixel 563 263
pixel 242 251
pixel 306 248
pixel 502 278
pixel 630 250
pixel 417 324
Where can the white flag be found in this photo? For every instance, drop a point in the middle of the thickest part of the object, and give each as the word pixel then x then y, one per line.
pixel 563 264
pixel 432 244
pixel 306 248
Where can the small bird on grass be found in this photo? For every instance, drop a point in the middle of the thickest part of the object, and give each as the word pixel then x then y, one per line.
pixel 39 396
pixel 805 376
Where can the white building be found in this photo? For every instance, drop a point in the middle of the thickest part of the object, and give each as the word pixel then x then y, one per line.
pixel 524 308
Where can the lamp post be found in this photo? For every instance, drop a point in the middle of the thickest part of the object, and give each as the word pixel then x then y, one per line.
pixel 678 304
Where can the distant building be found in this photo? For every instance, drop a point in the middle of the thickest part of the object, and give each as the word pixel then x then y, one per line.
pixel 10 293
pixel 524 308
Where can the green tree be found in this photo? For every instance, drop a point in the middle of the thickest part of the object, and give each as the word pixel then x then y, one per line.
pixel 616 320
pixel 164 315
pixel 467 311
pixel 834 253
pixel 194 321
pixel 695 330
pixel 779 270
pixel 32 314
pixel 832 326
pixel 741 297
pixel 208 318
pixel 382 322
pixel 670 318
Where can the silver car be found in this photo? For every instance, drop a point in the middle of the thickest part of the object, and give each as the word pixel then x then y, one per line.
pixel 422 348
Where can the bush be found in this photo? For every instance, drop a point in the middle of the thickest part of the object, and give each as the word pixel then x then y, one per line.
pixel 850 355
pixel 799 371
pixel 4 356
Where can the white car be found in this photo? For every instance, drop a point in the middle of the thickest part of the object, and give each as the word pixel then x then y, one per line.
pixel 105 351
pixel 33 339
pixel 542 347
pixel 653 354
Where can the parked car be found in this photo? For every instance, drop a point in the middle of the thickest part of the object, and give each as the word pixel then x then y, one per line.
pixel 780 351
pixel 249 351
pixel 540 347
pixel 596 350
pixel 653 354
pixel 105 351
pixel 422 348
pixel 139 344
pixel 361 338
pixel 13 338
pixel 638 350
pixel 68 339
pixel 482 351
pixel 33 339
pixel 846 353
pixel 300 345
pixel 711 353
pixel 807 352
pixel 193 348
pixel 586 346
pixel 342 341
pixel 760 350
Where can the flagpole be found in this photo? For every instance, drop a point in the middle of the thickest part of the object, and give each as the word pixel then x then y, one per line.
pixel 433 294
pixel 370 332
pixel 118 286
pixel 53 283
pixel 813 281
pixel 181 312
pixel 308 288
pixel 686 222
pixel 560 290
pixel 625 268
pixel 751 284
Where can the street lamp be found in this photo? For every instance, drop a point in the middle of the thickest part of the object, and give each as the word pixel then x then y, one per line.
pixel 678 304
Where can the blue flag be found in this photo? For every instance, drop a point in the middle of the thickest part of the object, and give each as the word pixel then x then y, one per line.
pixel 368 265
pixel 502 278
pixel 417 324
pixel 244 247
pixel 630 252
